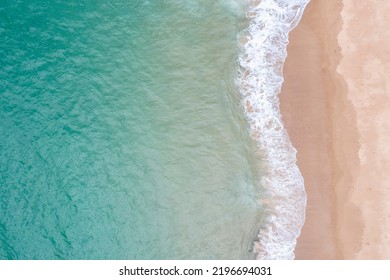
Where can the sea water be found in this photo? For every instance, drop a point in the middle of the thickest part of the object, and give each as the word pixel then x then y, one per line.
pixel 126 132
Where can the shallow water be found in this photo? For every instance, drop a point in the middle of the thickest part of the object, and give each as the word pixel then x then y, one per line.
pixel 121 132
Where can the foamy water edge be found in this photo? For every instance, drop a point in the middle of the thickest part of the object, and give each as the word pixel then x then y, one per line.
pixel 260 77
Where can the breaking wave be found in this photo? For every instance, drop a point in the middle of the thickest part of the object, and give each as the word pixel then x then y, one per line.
pixel 260 78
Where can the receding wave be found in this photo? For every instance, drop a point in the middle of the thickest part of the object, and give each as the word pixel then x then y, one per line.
pixel 260 78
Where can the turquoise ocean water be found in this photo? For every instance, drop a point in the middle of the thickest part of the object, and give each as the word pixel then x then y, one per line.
pixel 121 131
pixel 124 131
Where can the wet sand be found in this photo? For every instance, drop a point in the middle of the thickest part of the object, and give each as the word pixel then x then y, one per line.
pixel 334 103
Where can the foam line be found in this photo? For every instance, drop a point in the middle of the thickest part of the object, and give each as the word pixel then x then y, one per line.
pixel 260 78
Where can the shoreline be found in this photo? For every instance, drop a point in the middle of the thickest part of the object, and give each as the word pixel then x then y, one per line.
pixel 325 106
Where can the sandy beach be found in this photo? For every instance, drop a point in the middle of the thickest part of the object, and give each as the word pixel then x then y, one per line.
pixel 334 103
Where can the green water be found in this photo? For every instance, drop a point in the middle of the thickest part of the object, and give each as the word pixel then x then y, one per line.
pixel 121 133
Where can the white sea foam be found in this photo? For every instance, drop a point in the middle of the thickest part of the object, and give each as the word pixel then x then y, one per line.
pixel 260 79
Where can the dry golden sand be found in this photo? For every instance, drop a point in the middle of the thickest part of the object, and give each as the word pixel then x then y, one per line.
pixel 336 107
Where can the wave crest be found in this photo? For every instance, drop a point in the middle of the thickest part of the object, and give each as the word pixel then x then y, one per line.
pixel 260 78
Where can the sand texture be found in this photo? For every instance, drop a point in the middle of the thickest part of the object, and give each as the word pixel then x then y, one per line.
pixel 336 107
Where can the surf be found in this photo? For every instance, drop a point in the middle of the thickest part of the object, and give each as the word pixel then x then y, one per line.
pixel 260 76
